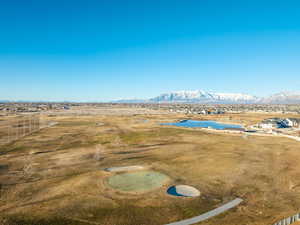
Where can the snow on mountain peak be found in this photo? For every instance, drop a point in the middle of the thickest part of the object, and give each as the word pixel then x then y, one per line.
pixel 283 98
pixel 204 96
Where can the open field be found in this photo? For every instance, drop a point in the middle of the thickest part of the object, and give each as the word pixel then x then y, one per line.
pixel 56 176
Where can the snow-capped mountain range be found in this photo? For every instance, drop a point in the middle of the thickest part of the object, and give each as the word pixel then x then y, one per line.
pixel 283 98
pixel 202 97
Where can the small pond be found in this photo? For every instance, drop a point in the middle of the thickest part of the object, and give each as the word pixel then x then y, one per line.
pixel 204 124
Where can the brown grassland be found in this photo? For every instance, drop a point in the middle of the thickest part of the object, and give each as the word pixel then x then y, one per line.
pixel 55 176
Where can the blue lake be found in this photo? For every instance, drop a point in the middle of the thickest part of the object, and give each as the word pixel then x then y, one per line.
pixel 204 124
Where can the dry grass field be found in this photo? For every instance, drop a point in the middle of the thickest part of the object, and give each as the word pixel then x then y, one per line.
pixel 55 176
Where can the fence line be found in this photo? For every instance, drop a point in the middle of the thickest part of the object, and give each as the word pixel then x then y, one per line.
pixel 289 220
pixel 18 128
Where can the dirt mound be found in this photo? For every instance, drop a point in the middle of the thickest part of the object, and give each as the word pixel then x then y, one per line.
pixel 183 190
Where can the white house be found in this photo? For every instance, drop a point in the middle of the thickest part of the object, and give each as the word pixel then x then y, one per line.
pixel 295 122
pixel 267 125
pixel 287 122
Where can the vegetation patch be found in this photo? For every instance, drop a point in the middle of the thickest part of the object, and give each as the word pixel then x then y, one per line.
pixel 140 181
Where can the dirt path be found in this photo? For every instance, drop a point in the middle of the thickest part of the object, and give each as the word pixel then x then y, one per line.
pixel 209 214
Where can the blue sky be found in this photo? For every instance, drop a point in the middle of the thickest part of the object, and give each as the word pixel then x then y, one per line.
pixel 93 50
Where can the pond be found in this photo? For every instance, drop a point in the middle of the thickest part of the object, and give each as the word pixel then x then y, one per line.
pixel 140 181
pixel 204 124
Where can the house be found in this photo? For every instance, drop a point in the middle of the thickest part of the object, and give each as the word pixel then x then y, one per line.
pixel 66 107
pixel 273 123
pixel 279 123
pixel 294 122
pixel 204 112
pixel 286 123
pixel 268 125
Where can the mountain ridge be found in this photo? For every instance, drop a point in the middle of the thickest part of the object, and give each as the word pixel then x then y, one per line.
pixel 204 96
pixel 283 98
pixel 200 96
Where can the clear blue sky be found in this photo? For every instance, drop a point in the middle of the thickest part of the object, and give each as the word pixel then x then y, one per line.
pixel 86 50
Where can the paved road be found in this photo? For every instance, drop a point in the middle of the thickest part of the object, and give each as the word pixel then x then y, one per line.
pixel 209 214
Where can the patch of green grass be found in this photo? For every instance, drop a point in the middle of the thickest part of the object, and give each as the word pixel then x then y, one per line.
pixel 137 181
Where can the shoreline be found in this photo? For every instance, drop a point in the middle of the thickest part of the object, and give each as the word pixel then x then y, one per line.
pixel 236 132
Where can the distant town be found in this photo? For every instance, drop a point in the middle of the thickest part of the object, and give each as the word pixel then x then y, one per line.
pixel 188 108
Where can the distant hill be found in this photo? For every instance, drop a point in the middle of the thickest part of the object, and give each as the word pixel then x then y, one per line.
pixel 282 98
pixel 4 101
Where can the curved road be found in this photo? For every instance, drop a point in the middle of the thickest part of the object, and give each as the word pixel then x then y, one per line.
pixel 209 214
